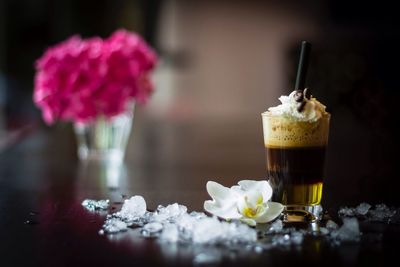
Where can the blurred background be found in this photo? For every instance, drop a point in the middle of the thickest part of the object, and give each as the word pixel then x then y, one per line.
pixel 222 63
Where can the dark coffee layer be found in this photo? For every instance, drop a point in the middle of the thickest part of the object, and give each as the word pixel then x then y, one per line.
pixel 296 165
pixel 296 173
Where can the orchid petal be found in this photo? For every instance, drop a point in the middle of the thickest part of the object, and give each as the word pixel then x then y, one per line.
pixel 247 202
pixel 248 221
pixel 219 193
pixel 223 204
pixel 263 186
pixel 226 212
pixel 250 200
pixel 254 198
pixel 237 190
pixel 270 212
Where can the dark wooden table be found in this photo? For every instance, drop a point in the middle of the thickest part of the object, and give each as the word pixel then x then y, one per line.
pixel 42 185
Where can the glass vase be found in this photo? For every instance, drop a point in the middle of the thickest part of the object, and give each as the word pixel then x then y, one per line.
pixel 104 139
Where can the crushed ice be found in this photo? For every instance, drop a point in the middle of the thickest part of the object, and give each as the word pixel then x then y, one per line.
pixel 173 224
pixel 113 225
pixel 94 205
pixel 132 211
pixel 349 231
pixel 152 229
pixel 380 212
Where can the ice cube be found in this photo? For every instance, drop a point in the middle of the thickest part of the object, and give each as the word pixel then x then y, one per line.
pixel 381 207
pixel 175 210
pixel 363 208
pixel 381 213
pixel 346 211
pixel 349 231
pixel 162 217
pixel 281 240
pixel 296 237
pixel 208 231
pixel 185 225
pixel 137 221
pixel 152 229
pixel 324 230
pixel 147 216
pixel 170 233
pixel 238 232
pixel 169 213
pixel 160 207
pixel 132 211
pixel 276 226
pixel 198 215
pixel 94 205
pixel 395 219
pixel 135 206
pixel 331 225
pixel 113 225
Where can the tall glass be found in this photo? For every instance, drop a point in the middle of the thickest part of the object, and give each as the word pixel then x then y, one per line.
pixel 295 157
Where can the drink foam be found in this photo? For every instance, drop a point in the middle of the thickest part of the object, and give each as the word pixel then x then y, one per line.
pixel 288 126
pixel 280 131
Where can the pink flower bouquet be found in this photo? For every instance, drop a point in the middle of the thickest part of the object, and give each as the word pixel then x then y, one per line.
pixel 81 79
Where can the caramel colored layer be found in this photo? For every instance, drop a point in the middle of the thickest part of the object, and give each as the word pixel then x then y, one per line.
pixel 282 132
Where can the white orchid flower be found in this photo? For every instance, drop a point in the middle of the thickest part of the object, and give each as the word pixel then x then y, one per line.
pixel 249 202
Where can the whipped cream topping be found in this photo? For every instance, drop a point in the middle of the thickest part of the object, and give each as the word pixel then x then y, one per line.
pixel 313 109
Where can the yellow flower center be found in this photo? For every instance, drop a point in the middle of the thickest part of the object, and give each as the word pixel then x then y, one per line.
pixel 252 212
pixel 249 212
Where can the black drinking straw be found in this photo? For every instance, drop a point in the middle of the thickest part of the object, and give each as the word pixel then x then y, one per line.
pixel 303 65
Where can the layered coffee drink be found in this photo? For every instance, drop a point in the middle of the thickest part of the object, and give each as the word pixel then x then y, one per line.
pixel 295 139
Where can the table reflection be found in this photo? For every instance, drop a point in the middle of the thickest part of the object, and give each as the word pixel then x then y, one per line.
pixel 102 174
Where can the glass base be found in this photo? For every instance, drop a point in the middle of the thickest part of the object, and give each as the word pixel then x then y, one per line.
pixel 302 214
